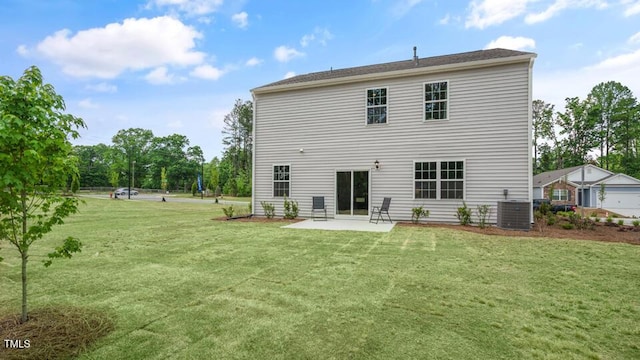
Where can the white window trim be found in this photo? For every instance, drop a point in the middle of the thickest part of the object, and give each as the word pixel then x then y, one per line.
pixel 560 197
pixel 424 102
pixel 366 107
pixel 439 179
pixel 273 195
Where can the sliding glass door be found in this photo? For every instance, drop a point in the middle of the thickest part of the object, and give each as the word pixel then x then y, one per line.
pixel 352 193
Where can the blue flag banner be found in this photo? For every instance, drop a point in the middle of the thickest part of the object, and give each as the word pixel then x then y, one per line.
pixel 199 183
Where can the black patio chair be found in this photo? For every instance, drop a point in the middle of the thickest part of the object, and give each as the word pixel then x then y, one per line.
pixel 379 210
pixel 318 205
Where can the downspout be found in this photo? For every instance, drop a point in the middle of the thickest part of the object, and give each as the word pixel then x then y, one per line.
pixel 530 138
pixel 253 155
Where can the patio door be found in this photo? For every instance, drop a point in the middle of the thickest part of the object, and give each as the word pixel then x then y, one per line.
pixel 352 193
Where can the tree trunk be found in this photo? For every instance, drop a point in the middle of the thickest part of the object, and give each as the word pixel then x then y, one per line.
pixel 23 254
pixel 25 316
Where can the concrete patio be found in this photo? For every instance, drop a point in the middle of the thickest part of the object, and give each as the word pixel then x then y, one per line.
pixel 343 225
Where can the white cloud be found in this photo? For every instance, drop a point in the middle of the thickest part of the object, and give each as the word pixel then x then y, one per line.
pixel 134 44
pixel 633 8
pixel 556 86
pixel 306 39
pixel 207 72
pixel 189 7
pixel 285 54
pixel 87 104
pixel 289 74
pixel 485 13
pixel 634 39
pixel 22 50
pixel 513 43
pixel 254 61
pixel 560 5
pixel 321 35
pixel 103 87
pixel 240 19
pixel 445 20
pixel 624 61
pixel 160 76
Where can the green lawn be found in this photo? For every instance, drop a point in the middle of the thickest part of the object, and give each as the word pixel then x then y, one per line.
pixel 180 286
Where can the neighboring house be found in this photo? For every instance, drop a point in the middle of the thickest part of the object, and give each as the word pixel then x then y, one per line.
pixel 430 132
pixel 622 192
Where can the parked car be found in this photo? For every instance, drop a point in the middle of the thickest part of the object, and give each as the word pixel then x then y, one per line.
pixel 554 208
pixel 125 191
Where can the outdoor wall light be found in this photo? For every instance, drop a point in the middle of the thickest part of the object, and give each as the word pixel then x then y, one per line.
pixel 377 164
pixel 505 192
pixel 301 150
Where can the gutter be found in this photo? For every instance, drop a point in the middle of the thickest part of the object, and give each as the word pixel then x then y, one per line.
pixel 396 74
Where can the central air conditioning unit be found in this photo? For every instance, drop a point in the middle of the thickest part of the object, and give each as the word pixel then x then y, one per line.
pixel 514 215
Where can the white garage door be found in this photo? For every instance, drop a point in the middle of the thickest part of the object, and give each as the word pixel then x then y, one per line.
pixel 625 203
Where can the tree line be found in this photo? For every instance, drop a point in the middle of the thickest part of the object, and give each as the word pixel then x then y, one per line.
pixel 602 129
pixel 170 162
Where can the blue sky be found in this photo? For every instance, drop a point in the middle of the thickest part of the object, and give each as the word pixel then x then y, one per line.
pixel 177 66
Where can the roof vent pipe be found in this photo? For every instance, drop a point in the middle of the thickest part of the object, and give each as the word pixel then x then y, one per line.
pixel 415 55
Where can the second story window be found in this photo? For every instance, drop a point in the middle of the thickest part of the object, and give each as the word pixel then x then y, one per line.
pixel 436 98
pixel 377 106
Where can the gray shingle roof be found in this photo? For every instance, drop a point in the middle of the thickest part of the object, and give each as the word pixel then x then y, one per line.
pixel 402 65
pixel 551 176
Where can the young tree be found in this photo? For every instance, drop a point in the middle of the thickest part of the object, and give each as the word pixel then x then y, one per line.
pixel 602 194
pixel 36 160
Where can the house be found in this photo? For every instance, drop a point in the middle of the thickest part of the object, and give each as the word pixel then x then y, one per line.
pixel 432 132
pixel 567 186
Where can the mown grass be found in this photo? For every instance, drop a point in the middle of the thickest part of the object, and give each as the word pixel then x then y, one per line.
pixel 182 286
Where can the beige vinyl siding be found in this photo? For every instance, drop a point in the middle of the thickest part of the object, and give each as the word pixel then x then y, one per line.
pixel 487 127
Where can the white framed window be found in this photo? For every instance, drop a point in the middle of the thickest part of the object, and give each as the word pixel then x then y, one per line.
pixel 281 180
pixel 452 180
pixel 439 179
pixel 425 180
pixel 436 100
pixel 377 106
pixel 560 195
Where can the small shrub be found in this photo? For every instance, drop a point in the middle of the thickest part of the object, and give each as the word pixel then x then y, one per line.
pixel 594 214
pixel 540 220
pixel 609 219
pixel 620 222
pixel 552 219
pixel 228 211
pixel 269 209
pixel 417 213
pixel 484 211
pixel 597 219
pixel 581 223
pixel 290 209
pixel 464 214
pixel 545 208
pixel 194 188
pixel 567 226
pixel 636 223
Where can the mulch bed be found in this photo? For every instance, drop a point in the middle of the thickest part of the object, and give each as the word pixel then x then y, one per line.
pixel 601 232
